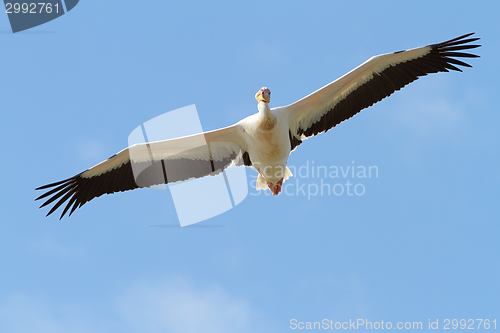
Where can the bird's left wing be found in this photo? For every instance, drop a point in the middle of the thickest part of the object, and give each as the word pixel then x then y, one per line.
pixel 369 83
pixel 145 165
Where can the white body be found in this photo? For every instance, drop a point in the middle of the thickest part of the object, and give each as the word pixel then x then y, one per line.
pixel 269 148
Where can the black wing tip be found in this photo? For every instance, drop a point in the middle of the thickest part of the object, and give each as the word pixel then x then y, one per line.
pixel 72 193
pixel 57 189
pixel 466 35
pixel 458 41
pixel 52 211
pixel 460 38
pixel 44 187
pixel 448 51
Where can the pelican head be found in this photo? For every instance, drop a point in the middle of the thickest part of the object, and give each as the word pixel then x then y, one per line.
pixel 263 94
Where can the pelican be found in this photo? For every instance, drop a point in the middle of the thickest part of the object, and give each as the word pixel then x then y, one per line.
pixel 263 140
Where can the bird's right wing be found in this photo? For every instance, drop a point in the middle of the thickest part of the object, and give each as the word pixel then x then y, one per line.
pixel 145 165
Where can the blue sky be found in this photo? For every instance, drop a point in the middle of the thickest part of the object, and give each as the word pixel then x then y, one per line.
pixel 421 243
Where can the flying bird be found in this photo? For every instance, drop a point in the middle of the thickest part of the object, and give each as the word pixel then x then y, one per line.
pixel 263 140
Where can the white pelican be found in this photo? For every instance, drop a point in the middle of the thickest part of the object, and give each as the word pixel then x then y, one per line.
pixel 263 140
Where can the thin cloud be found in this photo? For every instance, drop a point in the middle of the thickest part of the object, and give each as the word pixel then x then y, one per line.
pixel 178 306
pixel 91 149
pixel 47 244
pixel 172 305
pixel 23 313
pixel 428 110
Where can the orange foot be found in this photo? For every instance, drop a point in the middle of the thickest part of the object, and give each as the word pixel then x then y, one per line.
pixel 275 188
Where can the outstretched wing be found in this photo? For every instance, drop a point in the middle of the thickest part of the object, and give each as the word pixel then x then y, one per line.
pixel 145 165
pixel 369 83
